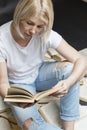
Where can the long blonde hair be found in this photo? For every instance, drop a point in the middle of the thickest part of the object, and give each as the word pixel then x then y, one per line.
pixel 30 8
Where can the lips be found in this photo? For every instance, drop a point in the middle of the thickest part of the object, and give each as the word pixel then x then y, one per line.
pixel 28 35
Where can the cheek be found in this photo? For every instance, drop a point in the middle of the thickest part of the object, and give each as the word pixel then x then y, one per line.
pixel 23 26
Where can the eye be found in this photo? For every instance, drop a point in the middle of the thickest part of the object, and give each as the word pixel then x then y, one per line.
pixel 40 26
pixel 30 23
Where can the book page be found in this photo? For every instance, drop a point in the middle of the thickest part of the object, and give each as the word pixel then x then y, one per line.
pixel 18 91
pixel 84 52
pixel 83 90
pixel 20 100
pixel 16 94
pixel 46 93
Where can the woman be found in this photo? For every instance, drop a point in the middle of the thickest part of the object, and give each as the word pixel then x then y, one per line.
pixel 24 42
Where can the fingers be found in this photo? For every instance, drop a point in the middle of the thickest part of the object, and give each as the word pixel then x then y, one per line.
pixel 66 91
pixel 62 92
pixel 23 105
pixel 17 104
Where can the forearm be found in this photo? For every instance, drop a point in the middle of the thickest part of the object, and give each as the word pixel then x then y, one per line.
pixel 3 89
pixel 4 83
pixel 78 71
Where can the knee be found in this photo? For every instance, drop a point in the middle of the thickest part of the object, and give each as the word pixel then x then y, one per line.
pixel 68 68
pixel 65 68
pixel 27 124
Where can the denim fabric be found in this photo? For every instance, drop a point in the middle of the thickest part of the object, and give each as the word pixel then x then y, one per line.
pixel 22 115
pixel 48 77
pixel 43 126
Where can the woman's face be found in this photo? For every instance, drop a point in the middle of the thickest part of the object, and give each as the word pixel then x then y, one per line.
pixel 32 26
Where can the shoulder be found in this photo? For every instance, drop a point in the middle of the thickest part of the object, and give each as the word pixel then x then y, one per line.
pixel 54 39
pixel 5 34
pixel 5 28
pixel 54 34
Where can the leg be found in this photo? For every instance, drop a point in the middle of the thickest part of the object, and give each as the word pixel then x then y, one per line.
pixel 27 124
pixel 49 75
pixel 23 116
pixel 68 125
pixel 29 118
pixel 69 104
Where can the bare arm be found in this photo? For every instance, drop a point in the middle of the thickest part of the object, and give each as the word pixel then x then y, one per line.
pixel 74 57
pixel 4 84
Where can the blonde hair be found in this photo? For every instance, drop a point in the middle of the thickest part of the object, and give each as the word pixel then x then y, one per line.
pixel 26 9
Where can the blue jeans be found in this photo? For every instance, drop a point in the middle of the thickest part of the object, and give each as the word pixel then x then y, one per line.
pixel 48 77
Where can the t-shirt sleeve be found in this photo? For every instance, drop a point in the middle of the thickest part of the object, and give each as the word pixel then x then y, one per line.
pixel 2 52
pixel 54 39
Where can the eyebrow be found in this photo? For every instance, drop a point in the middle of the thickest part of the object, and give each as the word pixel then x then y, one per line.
pixel 35 24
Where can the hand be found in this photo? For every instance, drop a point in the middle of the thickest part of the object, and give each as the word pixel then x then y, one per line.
pixel 23 105
pixel 63 89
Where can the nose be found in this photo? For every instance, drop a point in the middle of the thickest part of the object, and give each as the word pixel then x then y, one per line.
pixel 33 30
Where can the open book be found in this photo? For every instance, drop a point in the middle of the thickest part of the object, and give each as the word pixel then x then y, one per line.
pixel 17 94
pixel 52 55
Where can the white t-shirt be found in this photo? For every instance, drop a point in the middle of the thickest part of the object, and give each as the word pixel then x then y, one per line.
pixel 23 62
